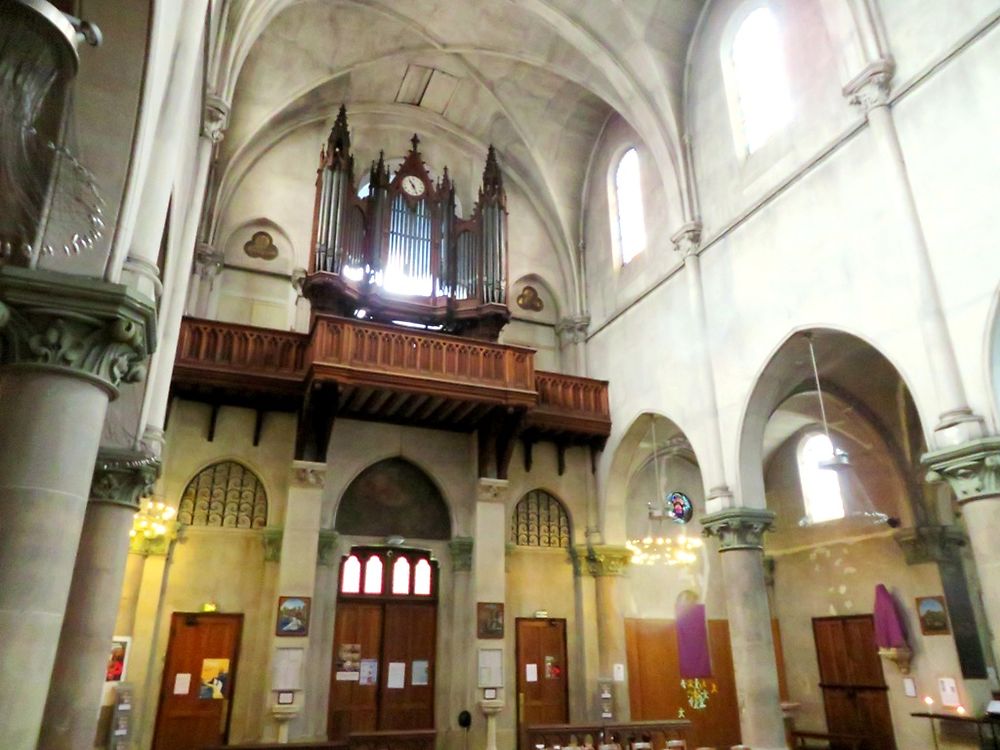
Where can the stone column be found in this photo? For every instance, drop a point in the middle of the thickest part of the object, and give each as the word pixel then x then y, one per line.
pixel 121 478
pixel 490 579
pixel 463 683
pixel 973 472
pixel 572 333
pixel 870 92
pixel 740 532
pixel 297 575
pixel 607 563
pixel 208 264
pixel 66 343
pixel 687 242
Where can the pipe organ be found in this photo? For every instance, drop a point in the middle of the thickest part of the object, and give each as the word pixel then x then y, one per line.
pixel 399 253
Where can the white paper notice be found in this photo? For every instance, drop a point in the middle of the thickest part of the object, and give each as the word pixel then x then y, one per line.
pixel 618 672
pixel 348 677
pixel 182 683
pixel 531 673
pixel 949 691
pixel 286 670
pixel 397 675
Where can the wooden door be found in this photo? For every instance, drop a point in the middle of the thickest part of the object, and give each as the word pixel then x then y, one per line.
pixel 408 643
pixel 855 696
pixel 353 705
pixel 198 681
pixel 541 674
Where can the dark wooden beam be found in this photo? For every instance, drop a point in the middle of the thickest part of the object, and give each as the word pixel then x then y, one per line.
pixel 415 403
pixel 528 445
pixel 258 426
pixel 212 419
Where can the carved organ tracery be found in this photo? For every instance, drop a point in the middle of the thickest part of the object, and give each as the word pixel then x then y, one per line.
pixel 400 253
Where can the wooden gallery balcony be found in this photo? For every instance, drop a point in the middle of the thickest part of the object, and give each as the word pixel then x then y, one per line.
pixel 362 370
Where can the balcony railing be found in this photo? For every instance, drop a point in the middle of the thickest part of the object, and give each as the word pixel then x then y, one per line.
pixel 372 357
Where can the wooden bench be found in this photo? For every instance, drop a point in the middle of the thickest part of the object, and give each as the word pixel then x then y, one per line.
pixel 828 741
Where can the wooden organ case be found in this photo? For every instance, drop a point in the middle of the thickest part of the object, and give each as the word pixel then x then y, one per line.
pixel 400 254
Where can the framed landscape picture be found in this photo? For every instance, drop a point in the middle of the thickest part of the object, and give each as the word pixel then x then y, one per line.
pixel 293 615
pixel 933 615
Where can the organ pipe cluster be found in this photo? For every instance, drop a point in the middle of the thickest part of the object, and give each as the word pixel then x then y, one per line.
pixel 398 251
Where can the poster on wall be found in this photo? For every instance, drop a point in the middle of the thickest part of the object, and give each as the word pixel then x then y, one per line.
pixel 419 672
pixel 369 672
pixel 214 679
pixel 293 616
pixel 349 662
pixel 489 619
pixel 118 658
pixel 933 615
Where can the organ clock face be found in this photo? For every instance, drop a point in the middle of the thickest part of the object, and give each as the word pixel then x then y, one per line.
pixel 413 185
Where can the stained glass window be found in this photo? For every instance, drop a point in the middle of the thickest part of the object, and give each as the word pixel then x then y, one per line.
pixel 422 578
pixel 540 520
pixel 629 219
pixel 373 575
pixel 351 582
pixel 226 494
pixel 401 576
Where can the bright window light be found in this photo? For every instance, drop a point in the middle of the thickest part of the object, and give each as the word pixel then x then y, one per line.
pixel 352 576
pixel 422 578
pixel 373 575
pixel 820 487
pixel 760 77
pixel 401 576
pixel 628 198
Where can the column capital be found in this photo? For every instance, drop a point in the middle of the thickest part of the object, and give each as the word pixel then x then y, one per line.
pixel 92 329
pixel 870 88
pixel 573 329
pixel 208 260
pixel 122 477
pixel 607 560
pixel 308 474
pixel 972 469
pixel 738 528
pixel 687 239
pixel 271 537
pixel 492 490
pixel 925 544
pixel 214 119
pixel 298 279
pixel 326 546
pixel 461 553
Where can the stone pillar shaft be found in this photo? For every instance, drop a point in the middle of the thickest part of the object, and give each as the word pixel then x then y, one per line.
pixel 687 242
pixel 490 578
pixel 66 343
pixel 740 532
pixel 957 423
pixel 973 472
pixel 606 564
pixel 71 711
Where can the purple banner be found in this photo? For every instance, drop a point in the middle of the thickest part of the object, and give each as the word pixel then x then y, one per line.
pixel 889 631
pixel 692 642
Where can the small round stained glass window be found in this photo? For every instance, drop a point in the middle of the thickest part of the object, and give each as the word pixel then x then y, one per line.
pixel 679 508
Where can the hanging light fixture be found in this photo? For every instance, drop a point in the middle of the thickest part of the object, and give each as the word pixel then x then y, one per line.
pixel 839 462
pixel 657 547
pixel 838 458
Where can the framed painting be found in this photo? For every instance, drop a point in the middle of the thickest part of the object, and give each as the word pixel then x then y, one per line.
pixel 489 619
pixel 293 616
pixel 933 615
pixel 118 658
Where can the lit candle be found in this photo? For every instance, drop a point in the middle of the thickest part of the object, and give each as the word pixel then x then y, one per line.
pixel 928 701
pixel 960 711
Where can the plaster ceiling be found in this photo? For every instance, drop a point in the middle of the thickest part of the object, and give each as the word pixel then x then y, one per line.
pixel 537 78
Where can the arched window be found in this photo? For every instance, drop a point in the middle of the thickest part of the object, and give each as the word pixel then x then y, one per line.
pixel 373 575
pixel 759 79
pixel 387 572
pixel 628 221
pixel 401 576
pixel 225 494
pixel 820 486
pixel 351 576
pixel 540 520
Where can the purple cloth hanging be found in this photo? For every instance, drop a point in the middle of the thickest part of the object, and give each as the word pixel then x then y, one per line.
pixel 889 631
pixel 692 642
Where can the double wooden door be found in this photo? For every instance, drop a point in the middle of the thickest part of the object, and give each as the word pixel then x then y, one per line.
pixel 542 678
pixel 198 680
pixel 855 696
pixel 383 667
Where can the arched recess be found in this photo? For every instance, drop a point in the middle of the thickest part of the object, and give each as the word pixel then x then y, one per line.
pixel 634 449
pixel 850 369
pixel 225 494
pixel 540 519
pixel 393 497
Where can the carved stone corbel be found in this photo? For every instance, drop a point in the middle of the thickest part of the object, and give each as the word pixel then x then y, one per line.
pixel 738 528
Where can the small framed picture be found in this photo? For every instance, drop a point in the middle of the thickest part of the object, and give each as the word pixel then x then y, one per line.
pixel 286 698
pixel 933 615
pixel 118 658
pixel 293 616
pixel 489 619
